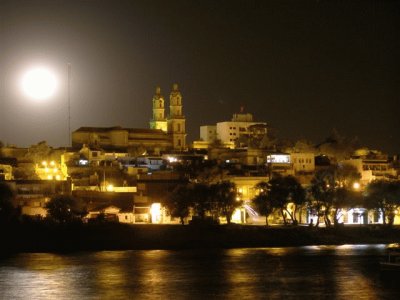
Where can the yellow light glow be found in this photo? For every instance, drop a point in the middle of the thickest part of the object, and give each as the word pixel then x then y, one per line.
pixel 46 170
pixel 356 185
pixel 237 216
pixel 49 177
pixel 58 177
pixel 110 188
pixel 39 83
pixel 44 163
pixel 55 170
pixel 52 163
pixel 155 211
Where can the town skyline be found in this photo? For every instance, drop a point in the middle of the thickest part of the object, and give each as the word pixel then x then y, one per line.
pixel 303 68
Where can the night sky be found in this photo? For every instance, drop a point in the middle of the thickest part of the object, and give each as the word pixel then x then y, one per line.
pixel 304 67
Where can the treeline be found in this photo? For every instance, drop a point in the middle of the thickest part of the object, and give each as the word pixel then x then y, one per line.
pixel 332 191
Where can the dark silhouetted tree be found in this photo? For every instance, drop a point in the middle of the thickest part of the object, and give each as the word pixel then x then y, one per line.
pixel 7 210
pixel 384 197
pixel 224 194
pixel 285 190
pixel 64 209
pixel 179 202
pixel 262 202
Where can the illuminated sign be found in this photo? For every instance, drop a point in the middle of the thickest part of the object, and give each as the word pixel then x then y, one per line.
pixel 278 159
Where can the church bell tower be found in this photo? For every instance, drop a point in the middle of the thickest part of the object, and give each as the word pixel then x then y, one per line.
pixel 176 120
pixel 158 121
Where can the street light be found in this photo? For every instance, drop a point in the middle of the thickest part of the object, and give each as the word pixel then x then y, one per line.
pixel 356 185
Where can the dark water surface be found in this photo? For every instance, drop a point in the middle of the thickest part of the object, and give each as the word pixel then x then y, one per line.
pixel 313 272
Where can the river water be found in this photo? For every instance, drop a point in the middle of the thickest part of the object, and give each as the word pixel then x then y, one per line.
pixel 312 272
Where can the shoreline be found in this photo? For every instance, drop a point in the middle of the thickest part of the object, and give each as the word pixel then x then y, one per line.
pixel 44 237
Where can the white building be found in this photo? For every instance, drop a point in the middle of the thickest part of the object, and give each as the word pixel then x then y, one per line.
pixel 303 161
pixel 230 131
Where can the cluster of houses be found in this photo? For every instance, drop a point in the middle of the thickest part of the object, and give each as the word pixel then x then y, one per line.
pixel 125 174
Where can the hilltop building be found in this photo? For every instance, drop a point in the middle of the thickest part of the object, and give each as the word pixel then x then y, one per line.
pixel 119 138
pixel 174 124
pixel 165 133
pixel 230 133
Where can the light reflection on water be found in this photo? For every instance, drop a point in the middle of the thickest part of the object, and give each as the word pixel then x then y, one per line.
pixel 334 272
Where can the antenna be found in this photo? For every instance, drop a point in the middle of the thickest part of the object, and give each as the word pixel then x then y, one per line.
pixel 69 105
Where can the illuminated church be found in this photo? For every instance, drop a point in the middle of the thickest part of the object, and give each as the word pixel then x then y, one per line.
pixel 165 133
pixel 174 124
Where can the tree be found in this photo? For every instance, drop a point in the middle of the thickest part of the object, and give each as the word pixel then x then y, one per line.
pixel 224 194
pixel 200 197
pixel 39 152
pixel 331 192
pixel 321 192
pixel 178 202
pixel 383 196
pixel 262 202
pixel 284 191
pixel 7 210
pixel 64 209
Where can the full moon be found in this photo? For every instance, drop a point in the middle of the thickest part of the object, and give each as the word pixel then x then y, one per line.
pixel 39 83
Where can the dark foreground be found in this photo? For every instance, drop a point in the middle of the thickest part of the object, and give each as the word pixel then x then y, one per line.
pixel 45 237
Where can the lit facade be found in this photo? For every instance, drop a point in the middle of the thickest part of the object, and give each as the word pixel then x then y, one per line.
pixel 158 121
pixel 5 172
pixel 108 138
pixel 303 161
pixel 175 124
pixel 242 124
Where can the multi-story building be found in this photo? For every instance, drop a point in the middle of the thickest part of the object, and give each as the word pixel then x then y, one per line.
pixel 303 162
pixel 372 165
pixel 241 125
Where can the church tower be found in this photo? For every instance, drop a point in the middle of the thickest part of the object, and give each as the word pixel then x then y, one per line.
pixel 176 120
pixel 158 121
